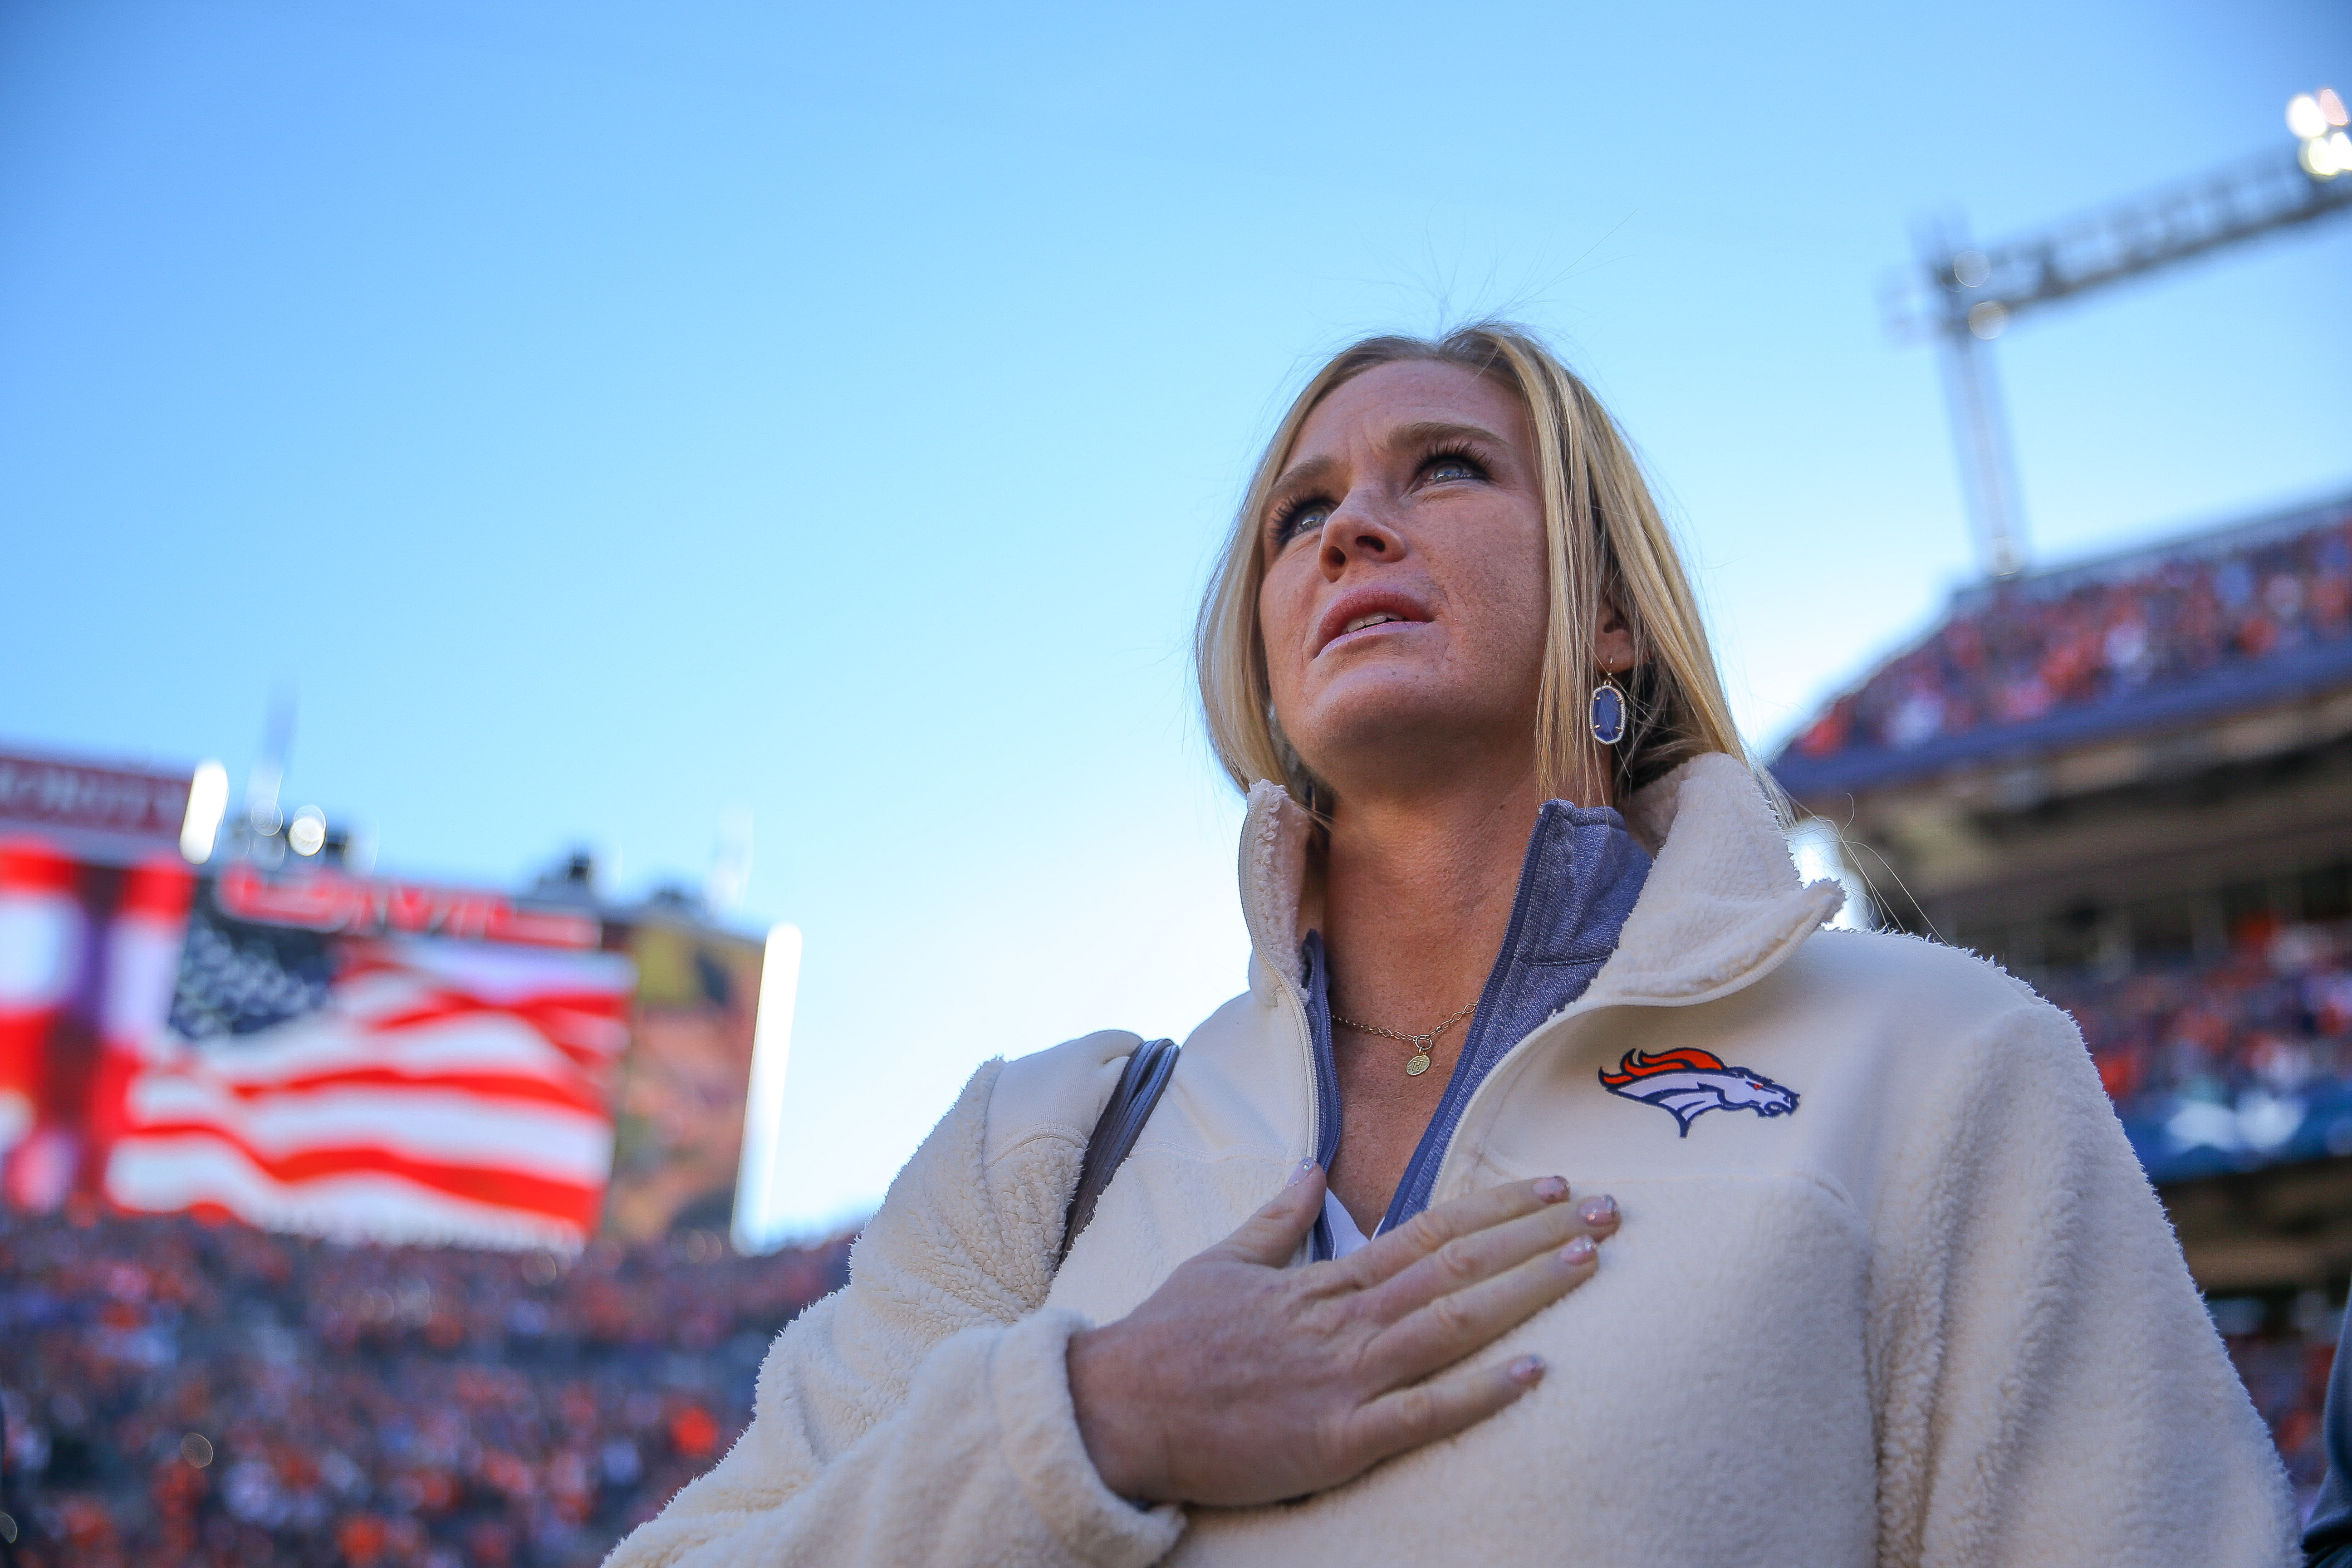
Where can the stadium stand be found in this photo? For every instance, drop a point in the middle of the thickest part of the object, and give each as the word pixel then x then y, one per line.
pixel 198 1393
pixel 2130 782
pixel 2112 647
pixel 2215 1053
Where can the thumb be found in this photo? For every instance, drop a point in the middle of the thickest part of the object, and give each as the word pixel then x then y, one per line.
pixel 1269 1237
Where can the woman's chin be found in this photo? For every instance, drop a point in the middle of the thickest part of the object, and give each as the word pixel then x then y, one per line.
pixel 1386 726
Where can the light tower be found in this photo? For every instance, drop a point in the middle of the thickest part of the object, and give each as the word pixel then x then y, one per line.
pixel 1964 297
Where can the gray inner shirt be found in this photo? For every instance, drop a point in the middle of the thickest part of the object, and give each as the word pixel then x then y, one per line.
pixel 1579 881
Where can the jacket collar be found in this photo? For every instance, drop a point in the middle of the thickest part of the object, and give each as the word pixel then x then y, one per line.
pixel 1721 909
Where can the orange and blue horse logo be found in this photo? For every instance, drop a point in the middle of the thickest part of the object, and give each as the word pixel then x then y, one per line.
pixel 1686 1084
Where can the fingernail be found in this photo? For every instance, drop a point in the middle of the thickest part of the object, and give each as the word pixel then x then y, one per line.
pixel 1551 1189
pixel 1598 1211
pixel 1298 1173
pixel 1577 1253
pixel 1527 1369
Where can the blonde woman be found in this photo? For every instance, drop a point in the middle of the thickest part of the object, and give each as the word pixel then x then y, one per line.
pixel 1697 1234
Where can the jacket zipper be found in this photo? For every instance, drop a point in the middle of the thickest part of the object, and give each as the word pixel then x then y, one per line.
pixel 1437 1139
pixel 1321 1081
pixel 1580 1007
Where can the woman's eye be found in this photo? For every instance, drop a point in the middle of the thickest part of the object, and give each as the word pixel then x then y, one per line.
pixel 1454 468
pixel 1303 518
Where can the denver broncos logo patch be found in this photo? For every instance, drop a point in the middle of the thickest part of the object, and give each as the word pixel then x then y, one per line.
pixel 1686 1084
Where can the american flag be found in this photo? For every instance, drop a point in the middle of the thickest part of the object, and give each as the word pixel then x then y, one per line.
pixel 383 1087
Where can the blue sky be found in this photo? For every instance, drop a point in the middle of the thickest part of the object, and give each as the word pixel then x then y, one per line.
pixel 609 417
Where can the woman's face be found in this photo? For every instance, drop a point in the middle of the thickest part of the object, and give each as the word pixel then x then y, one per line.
pixel 1403 601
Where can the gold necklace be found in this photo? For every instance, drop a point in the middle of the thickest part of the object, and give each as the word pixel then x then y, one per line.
pixel 1419 1043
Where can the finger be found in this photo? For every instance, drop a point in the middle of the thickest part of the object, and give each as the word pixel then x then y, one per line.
pixel 1439 1408
pixel 1432 1229
pixel 1454 1325
pixel 1271 1235
pixel 1482 1254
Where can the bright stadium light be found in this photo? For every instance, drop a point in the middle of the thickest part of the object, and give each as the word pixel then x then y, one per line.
pixel 207 803
pixel 763 1104
pixel 2319 119
pixel 306 833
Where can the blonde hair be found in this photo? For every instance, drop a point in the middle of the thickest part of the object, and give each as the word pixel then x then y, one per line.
pixel 1606 543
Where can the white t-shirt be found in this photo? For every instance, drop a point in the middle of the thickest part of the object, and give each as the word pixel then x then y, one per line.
pixel 1345 1237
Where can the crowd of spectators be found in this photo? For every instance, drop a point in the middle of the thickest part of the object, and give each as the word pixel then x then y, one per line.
pixel 2271 1017
pixel 2027 648
pixel 2285 1357
pixel 186 1392
pixel 2249 1037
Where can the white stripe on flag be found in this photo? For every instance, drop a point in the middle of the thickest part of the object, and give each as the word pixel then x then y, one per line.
pixel 324 1043
pixel 501 974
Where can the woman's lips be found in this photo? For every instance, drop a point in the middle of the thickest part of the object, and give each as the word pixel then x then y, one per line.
pixel 1365 627
pixel 1367 613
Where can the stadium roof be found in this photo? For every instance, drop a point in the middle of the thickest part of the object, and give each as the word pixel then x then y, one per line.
pixel 2160 638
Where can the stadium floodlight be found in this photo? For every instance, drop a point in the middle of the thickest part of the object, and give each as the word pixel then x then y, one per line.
pixel 207 803
pixel 763 1104
pixel 2319 119
pixel 306 833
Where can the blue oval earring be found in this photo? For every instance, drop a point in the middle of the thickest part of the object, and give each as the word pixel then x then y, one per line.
pixel 1608 715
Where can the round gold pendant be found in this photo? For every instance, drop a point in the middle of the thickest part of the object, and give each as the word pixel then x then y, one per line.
pixel 1417 1066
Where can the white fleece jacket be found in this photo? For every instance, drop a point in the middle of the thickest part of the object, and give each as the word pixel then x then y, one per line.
pixel 1933 1315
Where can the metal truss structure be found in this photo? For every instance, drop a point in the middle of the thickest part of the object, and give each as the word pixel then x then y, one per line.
pixel 1963 296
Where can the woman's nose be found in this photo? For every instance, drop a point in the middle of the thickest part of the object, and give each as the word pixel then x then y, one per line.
pixel 1356 530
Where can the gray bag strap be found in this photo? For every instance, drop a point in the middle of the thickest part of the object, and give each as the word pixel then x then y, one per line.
pixel 1121 1124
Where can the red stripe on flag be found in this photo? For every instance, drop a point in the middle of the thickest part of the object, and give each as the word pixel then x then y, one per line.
pixel 567 1202
pixel 487 1086
pixel 559 1020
